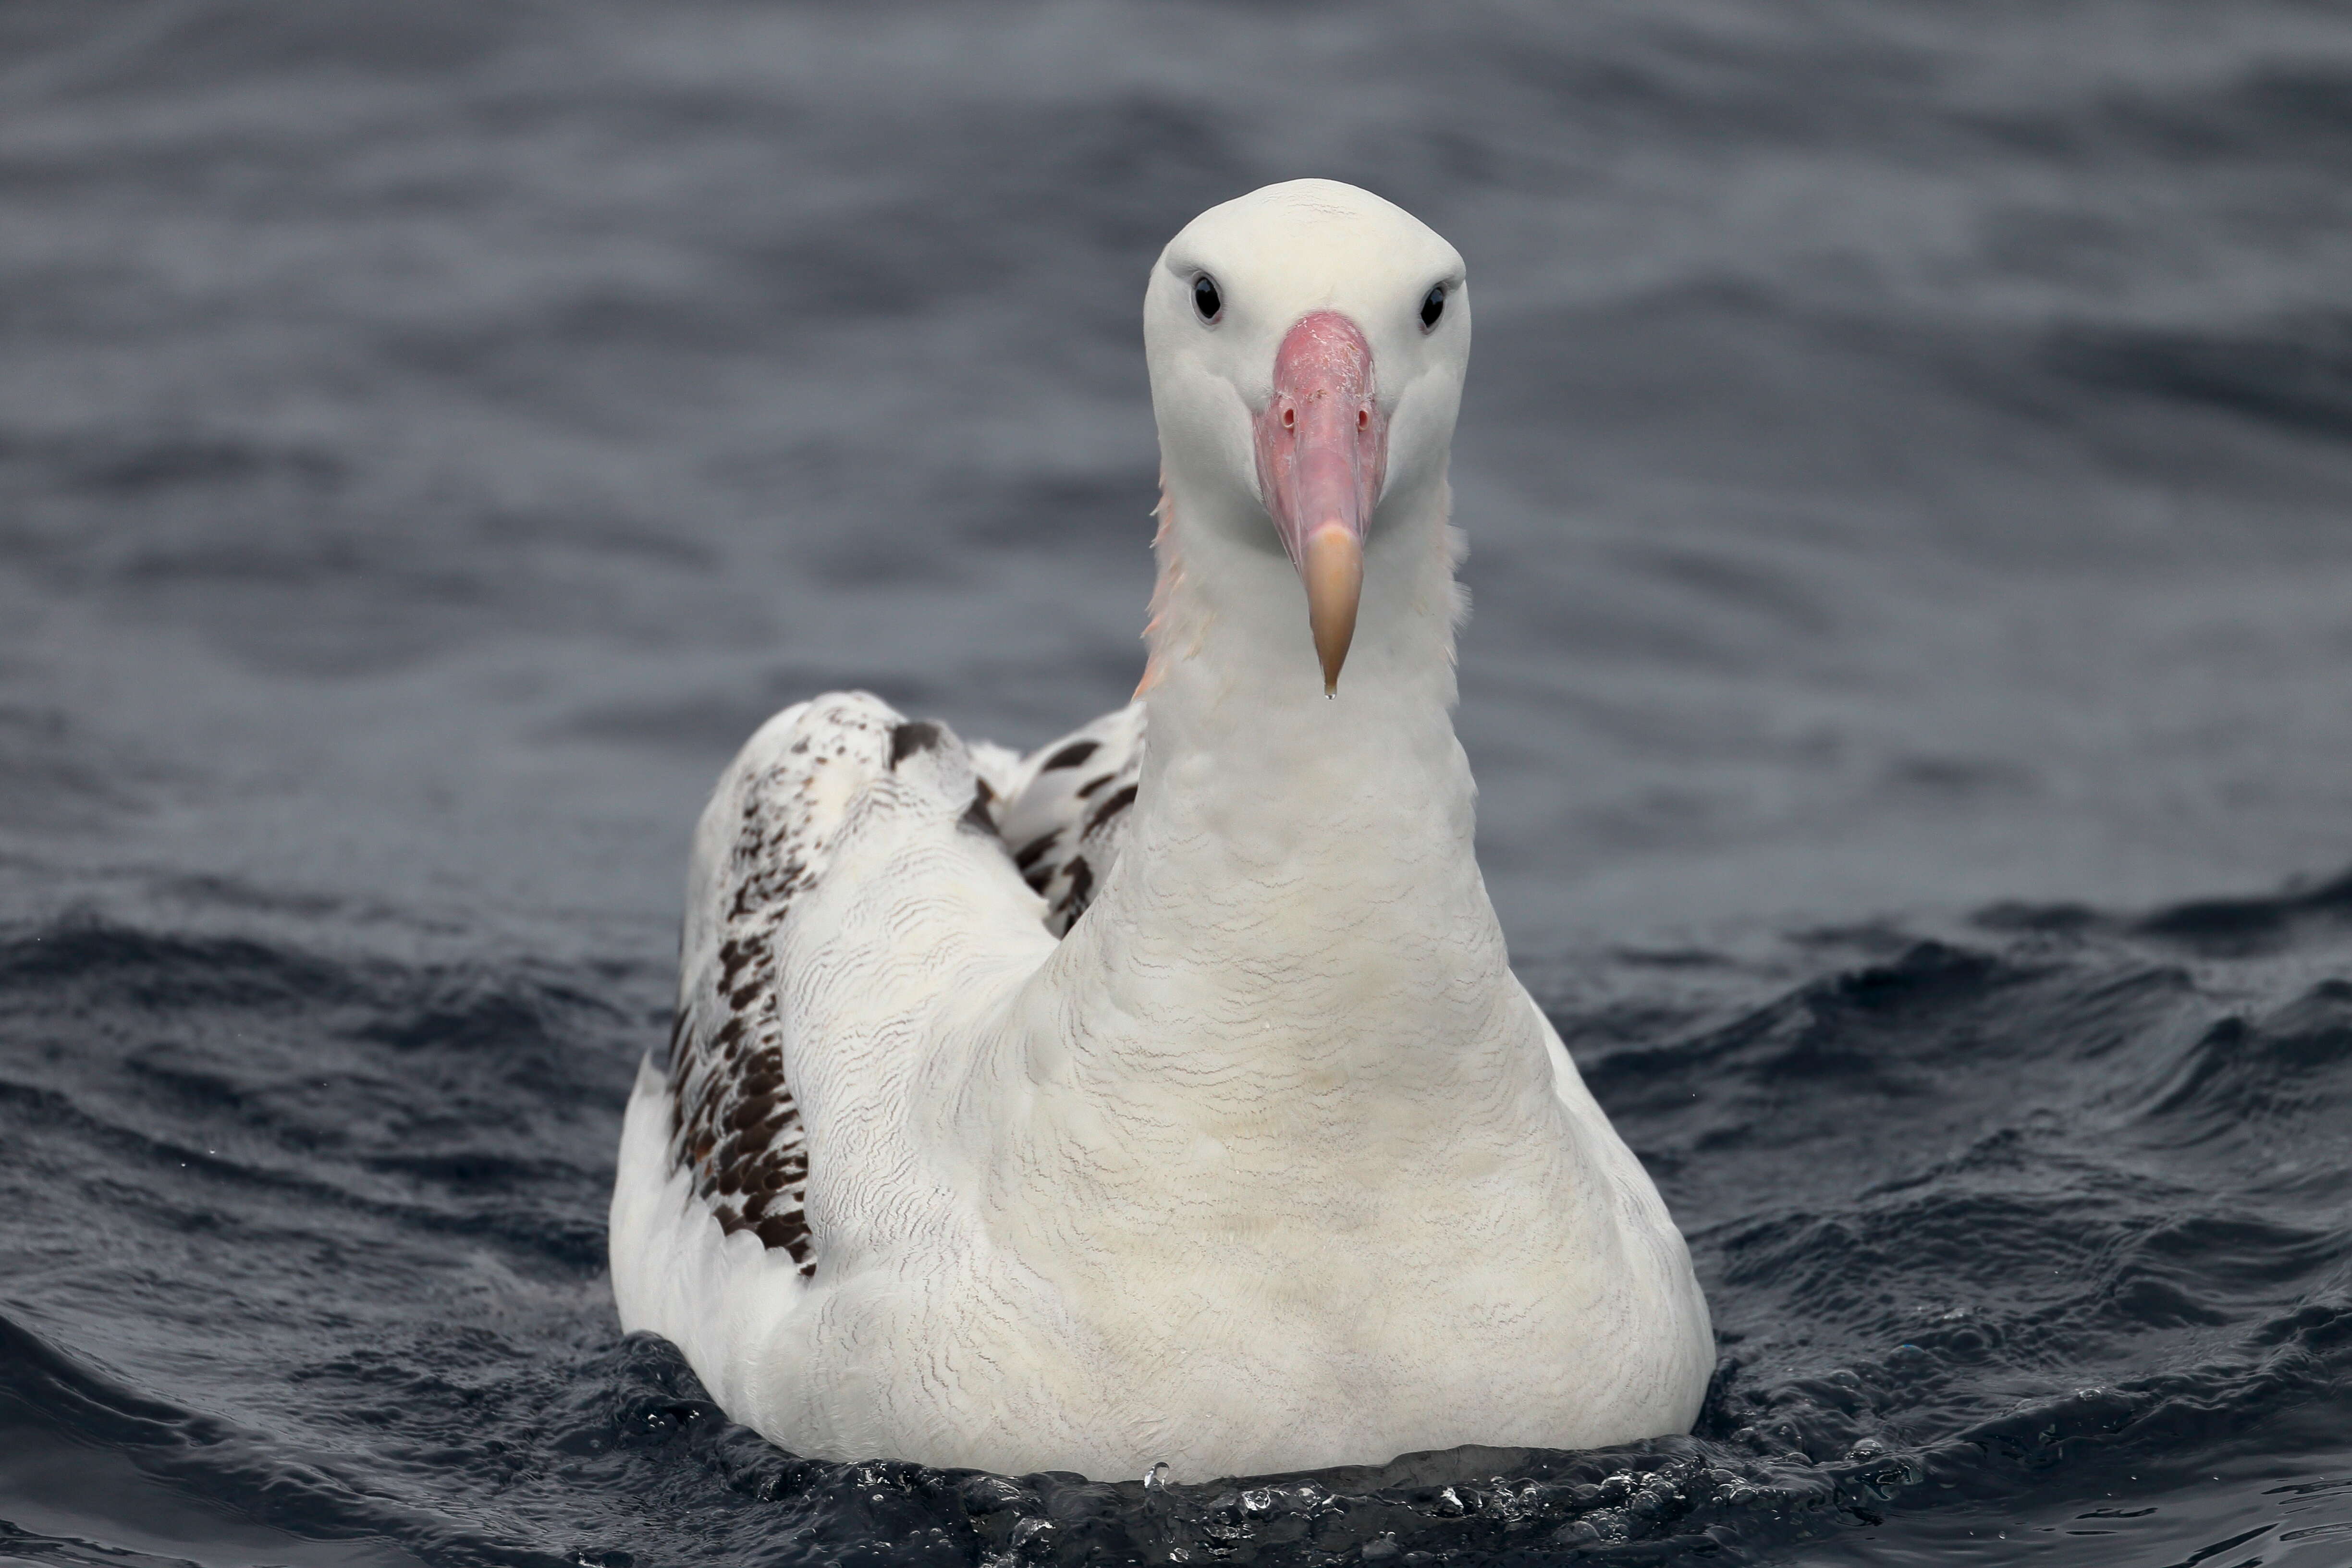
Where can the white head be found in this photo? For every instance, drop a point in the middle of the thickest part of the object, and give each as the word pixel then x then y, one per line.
pixel 1307 343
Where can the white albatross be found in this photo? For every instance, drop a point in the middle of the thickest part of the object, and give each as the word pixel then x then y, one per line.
pixel 1165 1095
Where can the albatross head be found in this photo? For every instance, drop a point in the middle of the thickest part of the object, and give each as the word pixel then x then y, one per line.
pixel 1306 345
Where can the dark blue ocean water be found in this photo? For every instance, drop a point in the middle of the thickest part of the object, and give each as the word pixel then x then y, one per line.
pixel 1908 463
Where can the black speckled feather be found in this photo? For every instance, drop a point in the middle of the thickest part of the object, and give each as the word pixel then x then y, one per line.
pixel 1067 818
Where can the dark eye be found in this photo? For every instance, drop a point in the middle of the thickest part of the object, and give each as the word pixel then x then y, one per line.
pixel 1205 298
pixel 1433 305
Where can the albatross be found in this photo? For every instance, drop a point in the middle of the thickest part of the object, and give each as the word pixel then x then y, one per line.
pixel 1164 1096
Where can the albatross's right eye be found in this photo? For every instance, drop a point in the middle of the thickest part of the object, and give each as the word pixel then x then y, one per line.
pixel 1205 298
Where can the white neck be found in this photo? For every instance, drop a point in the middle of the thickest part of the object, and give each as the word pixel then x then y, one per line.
pixel 1297 894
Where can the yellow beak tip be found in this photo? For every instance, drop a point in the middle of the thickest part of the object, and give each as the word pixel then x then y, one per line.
pixel 1334 570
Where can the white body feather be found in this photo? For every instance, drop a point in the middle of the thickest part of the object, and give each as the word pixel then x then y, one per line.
pixel 1271 1162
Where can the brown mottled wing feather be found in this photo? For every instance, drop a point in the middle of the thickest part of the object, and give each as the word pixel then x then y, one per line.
pixel 734 1123
pixel 735 1127
pixel 1068 811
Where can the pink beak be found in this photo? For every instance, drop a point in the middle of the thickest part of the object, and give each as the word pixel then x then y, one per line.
pixel 1322 452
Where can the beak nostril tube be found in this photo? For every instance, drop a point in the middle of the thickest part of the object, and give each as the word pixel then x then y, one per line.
pixel 1322 453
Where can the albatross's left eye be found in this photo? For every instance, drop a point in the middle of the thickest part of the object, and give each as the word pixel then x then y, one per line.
pixel 1205 298
pixel 1433 305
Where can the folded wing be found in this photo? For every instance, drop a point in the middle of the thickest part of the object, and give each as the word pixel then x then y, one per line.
pixel 846 860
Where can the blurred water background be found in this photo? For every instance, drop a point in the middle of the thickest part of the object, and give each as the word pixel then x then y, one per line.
pixel 1906 460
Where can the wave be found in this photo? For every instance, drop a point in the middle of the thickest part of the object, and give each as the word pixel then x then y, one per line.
pixel 2044 1212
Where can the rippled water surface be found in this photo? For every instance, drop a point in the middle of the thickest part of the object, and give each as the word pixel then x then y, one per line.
pixel 1907 461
